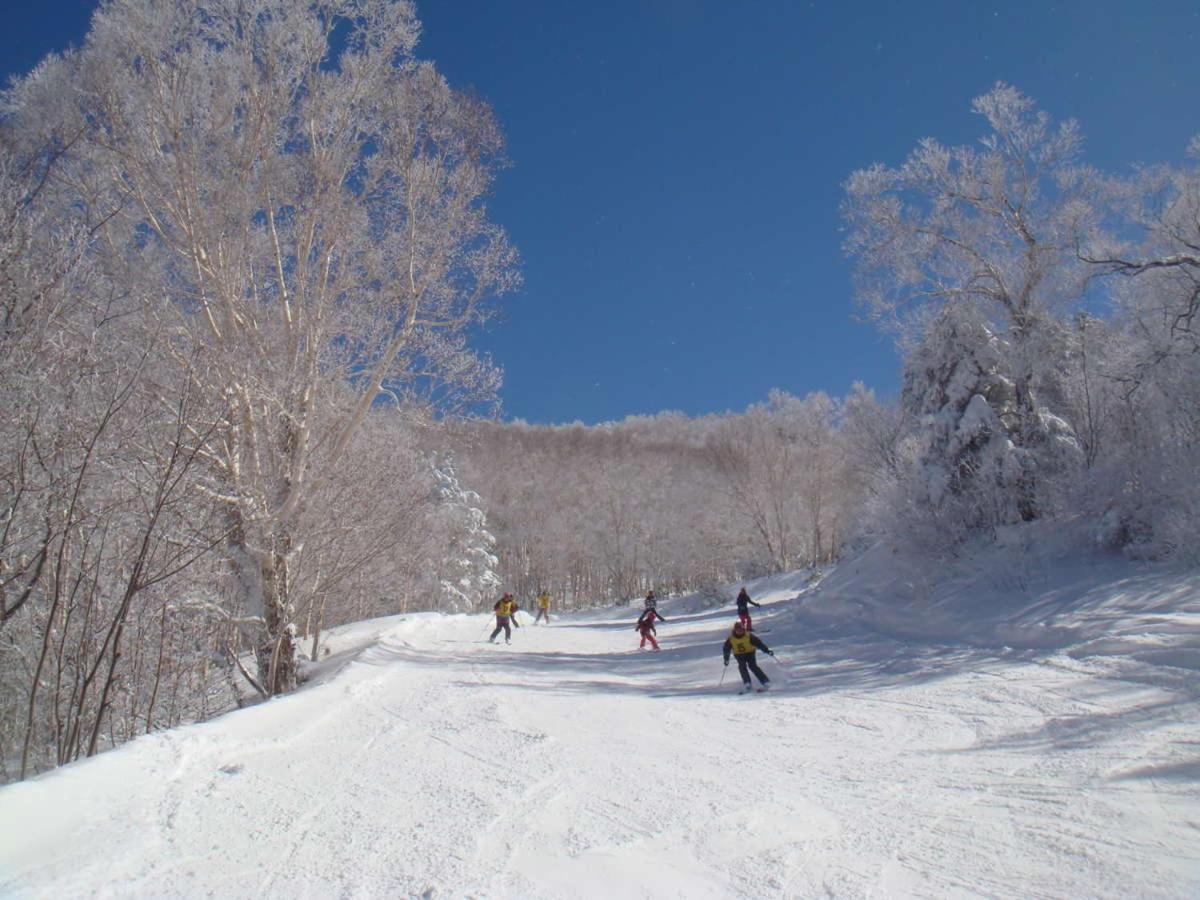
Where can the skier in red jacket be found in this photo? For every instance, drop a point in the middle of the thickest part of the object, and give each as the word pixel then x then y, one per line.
pixel 645 625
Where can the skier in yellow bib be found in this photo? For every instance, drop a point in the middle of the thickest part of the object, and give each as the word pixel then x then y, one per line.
pixel 742 643
pixel 543 602
pixel 506 608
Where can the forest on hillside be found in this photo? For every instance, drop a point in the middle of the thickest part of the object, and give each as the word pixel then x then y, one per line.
pixel 242 248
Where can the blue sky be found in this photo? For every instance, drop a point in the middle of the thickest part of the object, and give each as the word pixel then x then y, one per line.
pixel 677 166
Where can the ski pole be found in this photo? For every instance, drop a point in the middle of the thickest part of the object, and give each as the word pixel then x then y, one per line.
pixel 724 672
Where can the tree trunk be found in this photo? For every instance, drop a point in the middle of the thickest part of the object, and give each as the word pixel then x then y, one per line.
pixel 276 655
pixel 1027 438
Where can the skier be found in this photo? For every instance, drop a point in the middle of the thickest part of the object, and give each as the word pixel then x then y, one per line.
pixel 543 602
pixel 742 644
pixel 743 604
pixel 645 625
pixel 651 600
pixel 506 608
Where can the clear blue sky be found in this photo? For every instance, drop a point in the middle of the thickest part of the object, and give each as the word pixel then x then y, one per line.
pixel 678 163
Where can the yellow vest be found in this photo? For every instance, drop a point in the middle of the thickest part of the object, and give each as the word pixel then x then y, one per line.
pixel 741 644
pixel 506 607
pixel 544 601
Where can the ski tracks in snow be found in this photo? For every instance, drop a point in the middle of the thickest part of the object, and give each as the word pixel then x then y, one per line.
pixel 570 766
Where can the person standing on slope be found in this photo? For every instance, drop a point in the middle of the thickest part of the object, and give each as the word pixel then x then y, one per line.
pixel 742 644
pixel 645 625
pixel 651 600
pixel 543 602
pixel 743 604
pixel 505 609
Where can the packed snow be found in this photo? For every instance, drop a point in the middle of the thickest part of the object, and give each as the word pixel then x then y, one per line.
pixel 1052 749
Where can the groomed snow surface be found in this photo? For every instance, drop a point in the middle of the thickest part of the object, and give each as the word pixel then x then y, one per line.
pixel 1060 758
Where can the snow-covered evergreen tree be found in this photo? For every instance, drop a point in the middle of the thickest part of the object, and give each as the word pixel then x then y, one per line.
pixel 466 574
pixel 954 388
pixel 969 467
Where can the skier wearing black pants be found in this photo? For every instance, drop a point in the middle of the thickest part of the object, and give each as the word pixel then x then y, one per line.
pixel 505 609
pixel 741 643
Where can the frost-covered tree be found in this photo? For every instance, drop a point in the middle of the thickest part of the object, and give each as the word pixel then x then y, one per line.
pixel 371 531
pixel 872 432
pixel 1151 365
pixel 779 464
pixel 994 230
pixel 1162 204
pixel 824 496
pixel 758 463
pixel 309 198
pixel 466 572
pixel 99 513
pixel 956 389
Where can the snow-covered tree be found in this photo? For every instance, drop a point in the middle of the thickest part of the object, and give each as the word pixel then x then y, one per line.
pixel 1151 365
pixel 994 230
pixel 99 455
pixel 308 197
pixel 779 464
pixel 872 433
pixel 758 462
pixel 956 389
pixel 466 572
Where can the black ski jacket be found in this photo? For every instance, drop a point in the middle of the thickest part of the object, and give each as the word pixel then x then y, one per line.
pixel 742 599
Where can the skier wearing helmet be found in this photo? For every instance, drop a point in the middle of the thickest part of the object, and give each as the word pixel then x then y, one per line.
pixel 742 644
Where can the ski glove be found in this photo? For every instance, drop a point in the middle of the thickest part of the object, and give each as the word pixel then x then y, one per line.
pixel 770 653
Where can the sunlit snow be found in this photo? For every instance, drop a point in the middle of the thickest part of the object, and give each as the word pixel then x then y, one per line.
pixel 1054 751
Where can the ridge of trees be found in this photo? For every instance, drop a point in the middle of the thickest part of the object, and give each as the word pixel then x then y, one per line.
pixel 603 513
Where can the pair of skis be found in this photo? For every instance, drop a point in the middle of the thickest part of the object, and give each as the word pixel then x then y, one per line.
pixel 761 689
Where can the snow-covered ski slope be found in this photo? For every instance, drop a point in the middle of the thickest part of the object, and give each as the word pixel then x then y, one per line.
pixel 1062 761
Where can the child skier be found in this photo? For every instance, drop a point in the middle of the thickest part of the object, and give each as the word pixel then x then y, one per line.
pixel 651 601
pixel 543 602
pixel 645 625
pixel 742 644
pixel 743 604
pixel 506 608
